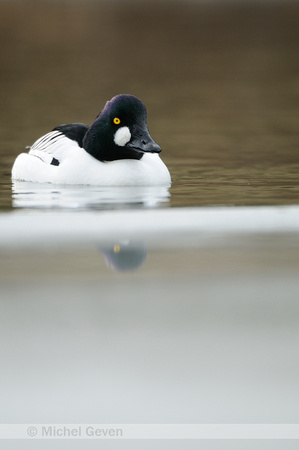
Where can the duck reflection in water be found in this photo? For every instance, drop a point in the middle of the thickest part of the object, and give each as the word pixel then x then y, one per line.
pixel 43 196
pixel 124 256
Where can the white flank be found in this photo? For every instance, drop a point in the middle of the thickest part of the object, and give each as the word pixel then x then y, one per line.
pixel 76 166
pixel 122 136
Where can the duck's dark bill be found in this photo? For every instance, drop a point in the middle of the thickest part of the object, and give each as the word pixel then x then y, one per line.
pixel 142 141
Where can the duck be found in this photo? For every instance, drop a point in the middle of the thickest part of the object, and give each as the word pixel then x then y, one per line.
pixel 115 150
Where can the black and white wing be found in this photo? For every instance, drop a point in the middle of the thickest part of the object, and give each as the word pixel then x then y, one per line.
pixel 58 143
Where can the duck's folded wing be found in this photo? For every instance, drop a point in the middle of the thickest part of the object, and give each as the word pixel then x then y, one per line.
pixel 53 147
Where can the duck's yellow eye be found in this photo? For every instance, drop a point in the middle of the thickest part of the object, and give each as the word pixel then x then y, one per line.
pixel 116 120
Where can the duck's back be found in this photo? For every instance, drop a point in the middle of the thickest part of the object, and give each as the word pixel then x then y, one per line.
pixel 42 162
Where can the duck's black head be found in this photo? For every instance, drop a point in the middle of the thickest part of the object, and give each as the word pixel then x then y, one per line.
pixel 120 131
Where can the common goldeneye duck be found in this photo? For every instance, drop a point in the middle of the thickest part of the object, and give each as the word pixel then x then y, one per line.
pixel 116 149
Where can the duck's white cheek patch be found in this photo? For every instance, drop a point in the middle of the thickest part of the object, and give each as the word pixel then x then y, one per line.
pixel 122 136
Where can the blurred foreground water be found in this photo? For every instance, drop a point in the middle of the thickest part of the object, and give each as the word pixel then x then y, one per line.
pixel 150 316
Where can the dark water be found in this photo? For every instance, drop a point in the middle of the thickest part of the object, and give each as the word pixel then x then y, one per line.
pixel 220 82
